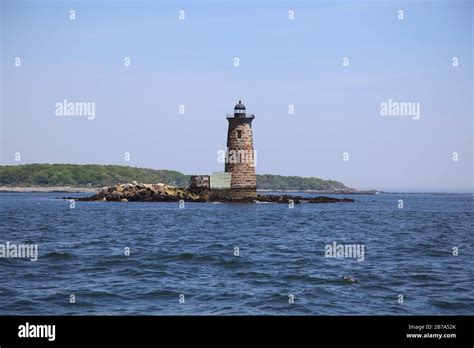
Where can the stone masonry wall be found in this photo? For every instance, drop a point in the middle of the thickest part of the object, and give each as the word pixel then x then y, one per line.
pixel 243 180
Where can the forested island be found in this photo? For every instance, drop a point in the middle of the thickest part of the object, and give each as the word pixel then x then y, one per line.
pixel 95 176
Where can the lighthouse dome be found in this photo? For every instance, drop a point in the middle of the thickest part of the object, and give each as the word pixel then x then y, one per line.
pixel 239 106
pixel 239 109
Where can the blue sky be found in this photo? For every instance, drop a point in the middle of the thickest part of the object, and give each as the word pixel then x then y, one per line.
pixel 282 62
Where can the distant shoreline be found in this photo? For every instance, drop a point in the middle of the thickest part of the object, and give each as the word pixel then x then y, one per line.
pixel 67 189
pixel 72 176
pixel 46 189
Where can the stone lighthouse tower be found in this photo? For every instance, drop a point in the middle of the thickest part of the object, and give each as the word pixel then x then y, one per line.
pixel 240 161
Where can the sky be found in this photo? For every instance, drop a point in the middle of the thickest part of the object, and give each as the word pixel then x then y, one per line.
pixel 337 130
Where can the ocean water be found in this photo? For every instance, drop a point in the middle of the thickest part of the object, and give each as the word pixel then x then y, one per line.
pixel 190 252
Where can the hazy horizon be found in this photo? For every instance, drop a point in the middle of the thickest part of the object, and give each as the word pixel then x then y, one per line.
pixel 282 62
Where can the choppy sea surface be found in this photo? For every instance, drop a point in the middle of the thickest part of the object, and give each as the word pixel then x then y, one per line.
pixel 191 251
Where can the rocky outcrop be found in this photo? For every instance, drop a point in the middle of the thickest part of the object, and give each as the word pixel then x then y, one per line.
pixel 284 199
pixel 139 192
pixel 135 192
pixel 323 199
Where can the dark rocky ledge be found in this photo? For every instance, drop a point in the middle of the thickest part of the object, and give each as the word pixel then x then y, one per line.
pixel 138 192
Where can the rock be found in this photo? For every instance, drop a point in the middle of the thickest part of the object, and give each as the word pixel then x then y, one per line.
pixel 323 199
pixel 135 192
pixel 285 199
pixel 170 190
pixel 349 279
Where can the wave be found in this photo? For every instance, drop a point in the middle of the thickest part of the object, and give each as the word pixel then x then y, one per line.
pixel 58 256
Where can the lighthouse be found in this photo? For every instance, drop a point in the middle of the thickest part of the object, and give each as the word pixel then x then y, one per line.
pixel 240 159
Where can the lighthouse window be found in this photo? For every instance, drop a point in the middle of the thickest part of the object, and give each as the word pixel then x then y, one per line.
pixel 239 134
